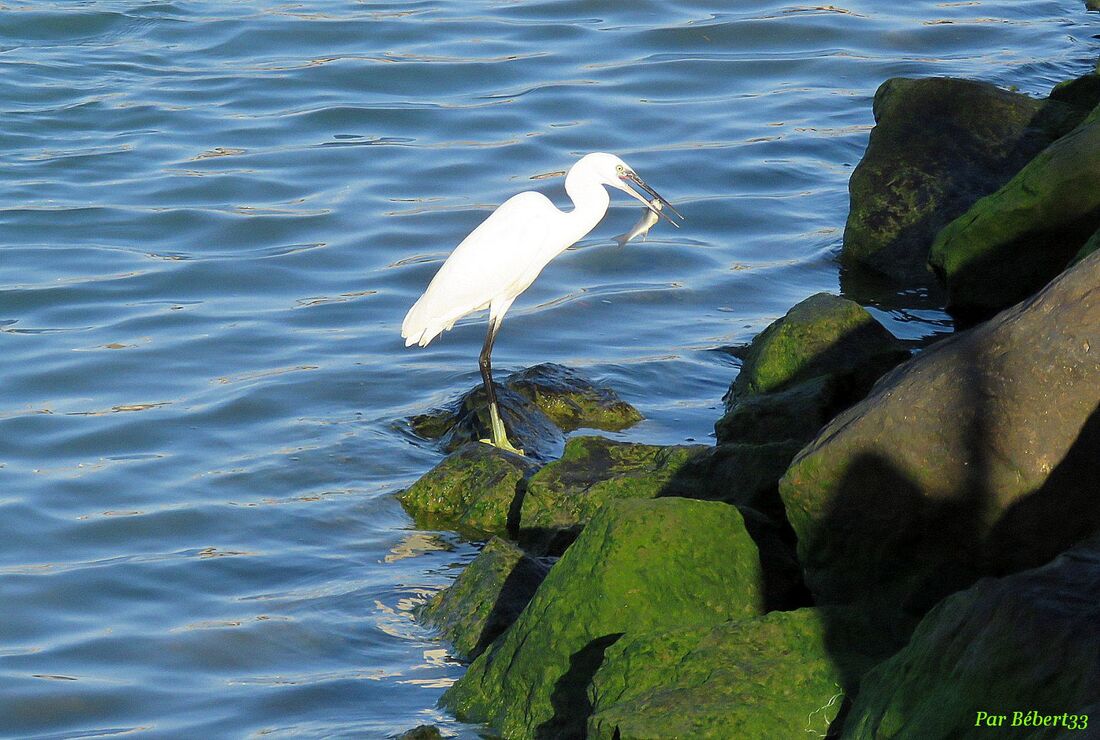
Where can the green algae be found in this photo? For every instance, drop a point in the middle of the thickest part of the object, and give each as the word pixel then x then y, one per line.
pixel 485 598
pixel 638 566
pixel 784 674
pixel 594 471
pixel 469 491
pixel 1013 241
pixel 822 335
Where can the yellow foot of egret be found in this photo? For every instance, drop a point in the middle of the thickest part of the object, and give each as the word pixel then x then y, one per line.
pixel 504 445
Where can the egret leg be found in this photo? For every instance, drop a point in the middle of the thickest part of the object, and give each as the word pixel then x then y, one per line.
pixel 499 437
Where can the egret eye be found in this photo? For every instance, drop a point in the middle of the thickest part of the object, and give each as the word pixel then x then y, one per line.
pixel 620 169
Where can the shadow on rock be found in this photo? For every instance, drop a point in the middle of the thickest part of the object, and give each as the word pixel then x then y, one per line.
pixel 572 707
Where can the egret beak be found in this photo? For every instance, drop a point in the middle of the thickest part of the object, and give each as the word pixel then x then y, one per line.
pixel 632 177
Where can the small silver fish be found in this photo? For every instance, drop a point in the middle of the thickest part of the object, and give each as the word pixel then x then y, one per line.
pixel 645 223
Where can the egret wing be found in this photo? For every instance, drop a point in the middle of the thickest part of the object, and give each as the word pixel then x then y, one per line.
pixel 494 263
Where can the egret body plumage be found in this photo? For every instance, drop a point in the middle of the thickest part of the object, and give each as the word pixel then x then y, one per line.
pixel 503 256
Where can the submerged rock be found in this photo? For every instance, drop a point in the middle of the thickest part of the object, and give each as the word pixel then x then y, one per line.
pixel 536 406
pixel 638 566
pixel 977 456
pixel 470 491
pixel 422 732
pixel 485 598
pixel 1010 243
pixel 1027 642
pixel 785 674
pixel 938 146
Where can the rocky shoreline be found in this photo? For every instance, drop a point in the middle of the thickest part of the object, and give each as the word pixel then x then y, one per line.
pixel 883 542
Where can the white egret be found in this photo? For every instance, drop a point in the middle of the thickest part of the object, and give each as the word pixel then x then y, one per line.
pixel 503 256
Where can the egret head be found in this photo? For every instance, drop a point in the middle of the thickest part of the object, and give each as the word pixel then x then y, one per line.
pixel 612 171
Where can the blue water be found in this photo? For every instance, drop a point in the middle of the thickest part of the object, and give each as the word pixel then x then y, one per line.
pixel 213 217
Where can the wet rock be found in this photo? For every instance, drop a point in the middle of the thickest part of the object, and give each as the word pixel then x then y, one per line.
pixel 571 400
pixel 467 420
pixel 422 732
pixel 1030 641
pixel 485 598
pixel 785 674
pixel 470 491
pixel 638 566
pixel 1010 243
pixel 536 406
pixel 974 457
pixel 824 355
pixel 938 145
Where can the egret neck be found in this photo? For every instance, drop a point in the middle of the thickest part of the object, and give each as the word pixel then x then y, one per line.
pixel 590 202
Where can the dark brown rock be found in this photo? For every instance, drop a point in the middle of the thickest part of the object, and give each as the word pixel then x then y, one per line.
pixel 978 456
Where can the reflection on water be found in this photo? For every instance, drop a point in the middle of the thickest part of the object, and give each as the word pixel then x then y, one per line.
pixel 214 218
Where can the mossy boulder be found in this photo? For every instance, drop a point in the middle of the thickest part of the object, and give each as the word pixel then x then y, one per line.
pixel 977 456
pixel 1011 243
pixel 594 471
pixel 1030 641
pixel 640 565
pixel 819 358
pixel 784 674
pixel 938 146
pixel 485 598
pixel 470 491
pixel 536 406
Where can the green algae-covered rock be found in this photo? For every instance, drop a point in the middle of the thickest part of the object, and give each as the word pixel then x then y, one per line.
pixel 485 598
pixel 471 490
pixel 822 335
pixel 938 145
pixel 1027 642
pixel 782 675
pixel 980 455
pixel 536 406
pixel 571 400
pixel 638 566
pixel 593 471
pixel 1010 243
